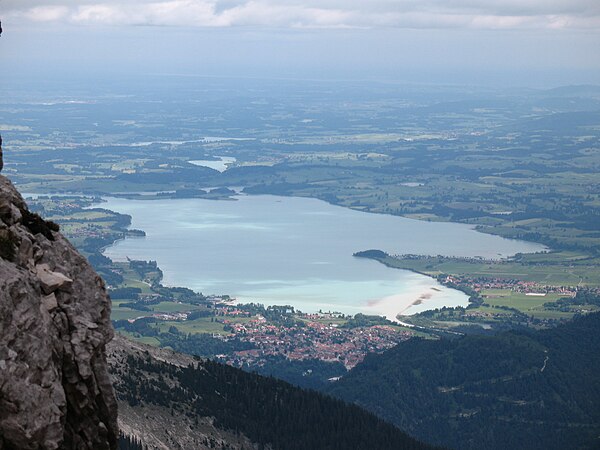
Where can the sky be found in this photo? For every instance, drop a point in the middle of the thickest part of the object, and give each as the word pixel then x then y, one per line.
pixel 485 42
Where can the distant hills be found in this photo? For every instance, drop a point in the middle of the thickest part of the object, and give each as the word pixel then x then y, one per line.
pixel 517 390
pixel 575 90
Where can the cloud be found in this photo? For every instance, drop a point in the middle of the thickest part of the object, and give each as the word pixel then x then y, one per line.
pixel 477 14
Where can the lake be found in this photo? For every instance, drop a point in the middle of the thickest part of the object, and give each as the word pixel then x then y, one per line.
pixel 221 164
pixel 298 251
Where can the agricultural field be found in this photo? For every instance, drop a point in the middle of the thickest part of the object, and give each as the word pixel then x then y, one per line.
pixel 551 269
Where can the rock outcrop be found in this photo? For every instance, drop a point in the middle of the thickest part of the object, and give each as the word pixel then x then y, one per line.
pixel 55 390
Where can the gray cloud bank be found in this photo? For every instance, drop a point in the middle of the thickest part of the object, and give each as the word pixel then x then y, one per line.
pixel 474 14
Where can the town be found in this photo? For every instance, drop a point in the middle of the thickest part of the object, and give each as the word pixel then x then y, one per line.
pixel 327 337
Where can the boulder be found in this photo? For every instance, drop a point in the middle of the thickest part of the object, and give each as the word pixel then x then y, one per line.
pixel 51 281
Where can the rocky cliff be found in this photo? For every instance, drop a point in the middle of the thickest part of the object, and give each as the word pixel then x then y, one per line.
pixel 55 390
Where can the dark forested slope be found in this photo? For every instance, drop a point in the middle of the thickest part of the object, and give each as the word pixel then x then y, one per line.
pixel 257 411
pixel 514 390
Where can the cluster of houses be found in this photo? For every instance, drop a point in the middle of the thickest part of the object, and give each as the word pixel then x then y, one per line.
pixel 315 340
pixel 527 287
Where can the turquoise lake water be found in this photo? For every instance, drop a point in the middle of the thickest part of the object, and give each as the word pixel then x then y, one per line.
pixel 298 251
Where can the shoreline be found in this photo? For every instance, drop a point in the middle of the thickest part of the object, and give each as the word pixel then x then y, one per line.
pixel 421 292
pixel 421 295
pixel 425 294
pixel 409 269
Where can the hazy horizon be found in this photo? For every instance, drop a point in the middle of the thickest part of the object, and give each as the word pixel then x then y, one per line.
pixel 525 44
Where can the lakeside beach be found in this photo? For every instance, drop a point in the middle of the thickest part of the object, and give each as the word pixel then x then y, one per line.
pixel 424 293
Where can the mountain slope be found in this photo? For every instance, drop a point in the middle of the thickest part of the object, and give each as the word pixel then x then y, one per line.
pixel 152 423
pixel 514 390
pixel 217 406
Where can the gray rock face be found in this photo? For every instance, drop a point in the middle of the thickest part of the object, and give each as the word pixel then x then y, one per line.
pixel 55 390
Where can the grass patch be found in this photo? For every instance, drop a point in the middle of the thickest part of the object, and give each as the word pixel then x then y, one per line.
pixel 202 325
pixel 518 300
